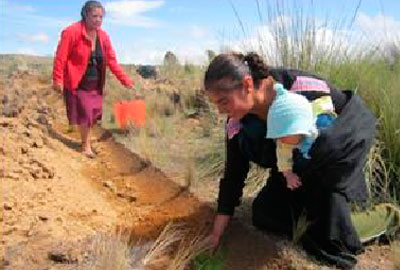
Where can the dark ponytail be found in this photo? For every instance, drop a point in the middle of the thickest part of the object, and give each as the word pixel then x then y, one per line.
pixel 226 71
pixel 259 70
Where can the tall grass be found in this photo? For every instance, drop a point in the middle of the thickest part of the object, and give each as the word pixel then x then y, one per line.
pixel 178 120
pixel 378 83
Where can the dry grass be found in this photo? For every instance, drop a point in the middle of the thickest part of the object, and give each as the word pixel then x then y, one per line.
pixel 187 251
pixel 185 247
pixel 171 234
pixel 111 253
pixel 173 249
pixel 395 248
pixel 377 176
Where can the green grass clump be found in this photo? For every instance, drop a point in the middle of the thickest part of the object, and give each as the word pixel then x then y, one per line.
pixel 382 219
pixel 208 261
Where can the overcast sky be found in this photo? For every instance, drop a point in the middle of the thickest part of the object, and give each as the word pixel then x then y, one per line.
pixel 142 31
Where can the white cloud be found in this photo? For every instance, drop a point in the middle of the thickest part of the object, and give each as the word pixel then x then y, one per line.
pixel 197 32
pixel 130 13
pixel 25 15
pixel 155 56
pixel 128 8
pixel 37 38
pixel 379 29
pixel 282 22
pixel 191 54
pixel 6 5
pixel 141 55
pixel 153 52
pixel 26 50
pixel 273 38
pixel 177 9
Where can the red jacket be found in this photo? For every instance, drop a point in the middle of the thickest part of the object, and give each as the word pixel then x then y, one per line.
pixel 72 57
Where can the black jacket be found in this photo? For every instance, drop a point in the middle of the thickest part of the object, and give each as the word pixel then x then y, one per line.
pixel 338 153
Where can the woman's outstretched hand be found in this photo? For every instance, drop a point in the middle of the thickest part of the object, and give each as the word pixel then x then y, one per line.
pixel 220 223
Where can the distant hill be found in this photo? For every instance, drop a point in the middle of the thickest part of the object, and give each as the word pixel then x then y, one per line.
pixel 11 62
pixel 33 58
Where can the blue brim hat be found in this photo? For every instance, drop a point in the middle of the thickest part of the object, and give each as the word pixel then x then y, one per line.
pixel 289 114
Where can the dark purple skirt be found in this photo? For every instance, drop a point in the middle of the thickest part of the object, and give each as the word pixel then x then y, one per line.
pixel 84 107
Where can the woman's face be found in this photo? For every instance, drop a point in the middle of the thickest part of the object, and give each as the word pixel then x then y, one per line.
pixel 235 103
pixel 94 18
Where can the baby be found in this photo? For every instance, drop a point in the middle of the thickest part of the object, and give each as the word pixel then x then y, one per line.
pixel 292 122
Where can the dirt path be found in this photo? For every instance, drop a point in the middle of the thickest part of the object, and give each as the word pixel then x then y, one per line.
pixel 83 197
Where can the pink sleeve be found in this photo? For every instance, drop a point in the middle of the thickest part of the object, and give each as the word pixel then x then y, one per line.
pixel 115 68
pixel 61 56
pixel 233 127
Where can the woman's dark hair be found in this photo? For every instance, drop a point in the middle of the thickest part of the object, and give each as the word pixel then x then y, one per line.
pixel 88 6
pixel 226 71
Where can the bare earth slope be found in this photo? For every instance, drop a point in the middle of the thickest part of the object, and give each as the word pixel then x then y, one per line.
pixel 52 194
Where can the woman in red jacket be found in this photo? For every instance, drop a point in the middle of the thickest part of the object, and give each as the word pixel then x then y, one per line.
pixel 79 70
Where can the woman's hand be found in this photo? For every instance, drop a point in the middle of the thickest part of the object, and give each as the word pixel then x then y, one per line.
pixel 292 180
pixel 220 223
pixel 58 88
pixel 131 86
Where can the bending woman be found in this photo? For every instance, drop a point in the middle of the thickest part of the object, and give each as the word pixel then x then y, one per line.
pixel 243 88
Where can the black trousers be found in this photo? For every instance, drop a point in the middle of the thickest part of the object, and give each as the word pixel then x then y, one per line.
pixel 330 235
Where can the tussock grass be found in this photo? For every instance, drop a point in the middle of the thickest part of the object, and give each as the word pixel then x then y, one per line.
pixel 377 176
pixel 378 84
pixel 185 244
pixel 187 251
pixel 111 253
pixel 171 234
pixel 173 249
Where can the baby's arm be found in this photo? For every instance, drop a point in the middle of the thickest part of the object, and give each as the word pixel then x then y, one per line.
pixel 284 152
pixel 292 180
